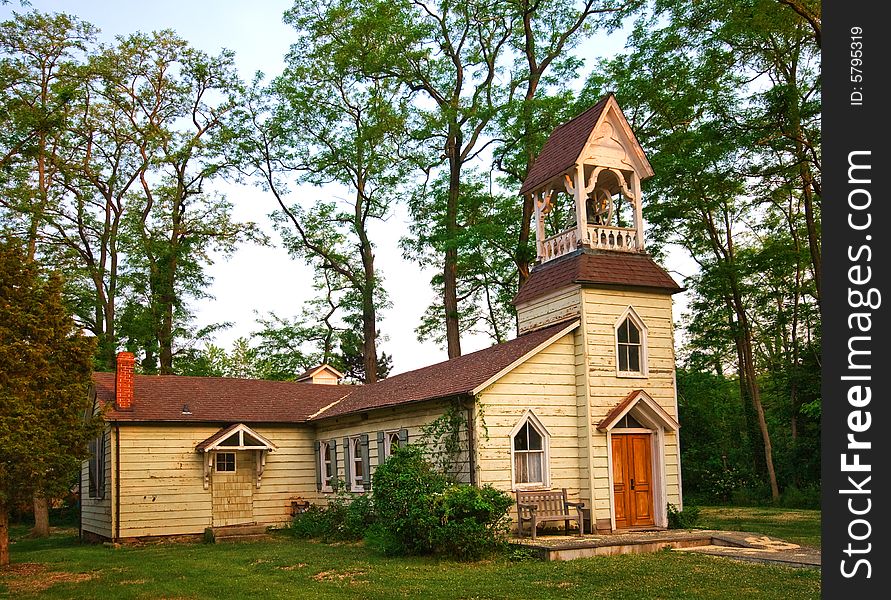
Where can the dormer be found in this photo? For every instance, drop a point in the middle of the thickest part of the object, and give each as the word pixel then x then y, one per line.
pixel 585 185
pixel 323 374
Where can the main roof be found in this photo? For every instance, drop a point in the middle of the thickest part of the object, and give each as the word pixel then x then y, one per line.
pixel 467 374
pixel 621 269
pixel 217 399
pixel 225 400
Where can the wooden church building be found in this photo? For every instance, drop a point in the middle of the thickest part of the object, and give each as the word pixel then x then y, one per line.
pixel 583 399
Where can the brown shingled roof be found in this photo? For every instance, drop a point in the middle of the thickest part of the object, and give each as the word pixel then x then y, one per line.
pixel 455 377
pixel 218 399
pixel 224 400
pixel 600 267
pixel 563 147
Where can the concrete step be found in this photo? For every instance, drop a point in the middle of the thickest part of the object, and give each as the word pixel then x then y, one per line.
pixel 233 532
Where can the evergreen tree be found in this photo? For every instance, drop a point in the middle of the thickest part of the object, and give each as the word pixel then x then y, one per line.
pixel 45 366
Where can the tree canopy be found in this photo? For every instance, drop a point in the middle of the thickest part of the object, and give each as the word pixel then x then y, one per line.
pixel 113 160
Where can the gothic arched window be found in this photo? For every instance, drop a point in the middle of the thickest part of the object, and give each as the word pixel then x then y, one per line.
pixel 631 345
pixel 529 450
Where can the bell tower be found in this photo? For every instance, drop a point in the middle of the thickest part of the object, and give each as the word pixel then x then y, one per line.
pixel 592 269
pixel 595 165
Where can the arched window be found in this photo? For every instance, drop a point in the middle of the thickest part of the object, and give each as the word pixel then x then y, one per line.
pixel 631 350
pixel 529 448
pixel 327 465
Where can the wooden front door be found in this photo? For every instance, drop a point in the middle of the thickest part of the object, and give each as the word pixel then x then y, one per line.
pixel 233 490
pixel 632 480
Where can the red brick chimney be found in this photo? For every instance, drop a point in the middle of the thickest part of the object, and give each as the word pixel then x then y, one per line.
pixel 123 382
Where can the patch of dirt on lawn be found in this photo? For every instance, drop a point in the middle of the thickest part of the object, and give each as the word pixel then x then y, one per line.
pixel 292 567
pixel 22 578
pixel 351 576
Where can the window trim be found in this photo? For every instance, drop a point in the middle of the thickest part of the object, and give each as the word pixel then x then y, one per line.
pixel 355 447
pixel 530 417
pixel 327 445
pixel 388 435
pixel 631 313
pixel 216 462
pixel 96 468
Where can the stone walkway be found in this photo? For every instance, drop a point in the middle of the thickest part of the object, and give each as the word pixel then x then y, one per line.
pixel 731 544
pixel 759 548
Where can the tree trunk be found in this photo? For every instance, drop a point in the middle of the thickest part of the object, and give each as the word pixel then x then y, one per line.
pixel 369 314
pixel 4 535
pixel 450 266
pixel 41 517
pixel 755 395
pixel 165 338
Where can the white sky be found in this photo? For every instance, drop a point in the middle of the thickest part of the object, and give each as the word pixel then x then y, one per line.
pixel 259 280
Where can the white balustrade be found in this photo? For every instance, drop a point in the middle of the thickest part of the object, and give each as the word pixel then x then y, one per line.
pixel 602 237
pixel 560 244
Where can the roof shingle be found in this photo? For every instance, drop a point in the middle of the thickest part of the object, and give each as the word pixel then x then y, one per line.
pixel 563 147
pixel 225 400
pixel 217 399
pixel 450 378
pixel 624 269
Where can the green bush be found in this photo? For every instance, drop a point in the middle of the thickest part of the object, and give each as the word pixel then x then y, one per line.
pixel 403 492
pixel 473 521
pixel 683 519
pixel 312 523
pixel 419 512
pixel 345 518
pixel 807 497
pixel 750 496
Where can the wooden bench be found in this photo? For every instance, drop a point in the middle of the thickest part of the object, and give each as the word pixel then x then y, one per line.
pixel 542 506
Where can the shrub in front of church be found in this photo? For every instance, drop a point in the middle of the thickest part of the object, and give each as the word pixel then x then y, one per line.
pixel 345 518
pixel 473 521
pixel 403 491
pixel 419 512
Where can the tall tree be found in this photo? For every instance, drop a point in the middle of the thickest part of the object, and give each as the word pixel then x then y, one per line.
pixel 325 125
pixel 175 99
pixel 45 366
pixel 38 75
pixel 446 52
pixel 487 232
pixel 101 168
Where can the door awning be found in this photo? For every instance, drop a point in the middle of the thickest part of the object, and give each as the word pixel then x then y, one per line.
pixel 643 408
pixel 236 437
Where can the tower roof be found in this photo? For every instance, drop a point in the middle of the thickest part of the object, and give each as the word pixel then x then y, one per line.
pixel 564 146
pixel 619 269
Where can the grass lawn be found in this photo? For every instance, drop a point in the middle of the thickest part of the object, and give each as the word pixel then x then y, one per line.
pixel 284 567
pixel 793 525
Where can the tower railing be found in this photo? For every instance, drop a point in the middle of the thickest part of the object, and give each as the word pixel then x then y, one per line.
pixel 623 239
pixel 602 237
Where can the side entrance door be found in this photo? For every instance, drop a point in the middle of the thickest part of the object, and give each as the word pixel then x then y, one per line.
pixel 632 480
pixel 233 488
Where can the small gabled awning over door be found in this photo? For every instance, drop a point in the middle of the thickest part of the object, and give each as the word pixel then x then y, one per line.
pixel 229 439
pixel 643 408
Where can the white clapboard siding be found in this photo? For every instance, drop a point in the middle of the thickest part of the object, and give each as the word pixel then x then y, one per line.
pixel 548 309
pixel 162 478
pixel 547 384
